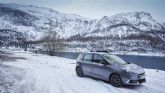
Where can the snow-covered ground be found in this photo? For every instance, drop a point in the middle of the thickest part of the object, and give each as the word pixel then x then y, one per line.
pixel 50 74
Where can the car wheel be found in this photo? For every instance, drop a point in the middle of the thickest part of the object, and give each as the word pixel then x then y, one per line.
pixel 115 80
pixel 79 71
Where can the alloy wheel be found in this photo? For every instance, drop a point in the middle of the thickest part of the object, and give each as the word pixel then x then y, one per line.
pixel 115 80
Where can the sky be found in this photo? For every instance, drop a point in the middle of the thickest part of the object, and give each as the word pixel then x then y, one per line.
pixel 98 8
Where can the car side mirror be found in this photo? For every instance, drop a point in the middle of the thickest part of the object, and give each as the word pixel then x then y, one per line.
pixel 103 62
pixel 129 62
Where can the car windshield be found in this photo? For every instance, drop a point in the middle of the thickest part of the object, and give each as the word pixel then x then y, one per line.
pixel 114 59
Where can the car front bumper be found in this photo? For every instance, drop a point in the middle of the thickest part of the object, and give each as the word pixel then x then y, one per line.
pixel 136 80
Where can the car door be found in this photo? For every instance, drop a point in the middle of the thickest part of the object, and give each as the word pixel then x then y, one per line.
pixel 87 64
pixel 100 70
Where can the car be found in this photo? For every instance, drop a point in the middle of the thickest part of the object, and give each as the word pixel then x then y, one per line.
pixel 109 67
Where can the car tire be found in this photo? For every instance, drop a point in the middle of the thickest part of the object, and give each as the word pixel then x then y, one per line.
pixel 115 80
pixel 79 71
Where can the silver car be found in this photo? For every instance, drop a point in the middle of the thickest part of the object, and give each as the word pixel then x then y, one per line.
pixel 109 67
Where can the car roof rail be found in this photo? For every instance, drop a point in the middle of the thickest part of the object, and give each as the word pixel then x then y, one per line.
pixel 105 51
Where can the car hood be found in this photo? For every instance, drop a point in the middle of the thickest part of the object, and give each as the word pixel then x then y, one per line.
pixel 133 68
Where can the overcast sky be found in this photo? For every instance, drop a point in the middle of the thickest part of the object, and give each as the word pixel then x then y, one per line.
pixel 99 8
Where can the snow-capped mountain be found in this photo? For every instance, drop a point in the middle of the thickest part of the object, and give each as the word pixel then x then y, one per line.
pixel 125 24
pixel 132 29
pixel 32 19
pixel 163 24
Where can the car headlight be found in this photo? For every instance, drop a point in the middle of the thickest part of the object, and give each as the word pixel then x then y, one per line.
pixel 130 73
pixel 126 69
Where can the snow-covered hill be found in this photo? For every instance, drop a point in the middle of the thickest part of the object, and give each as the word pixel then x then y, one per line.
pixel 135 30
pixel 65 24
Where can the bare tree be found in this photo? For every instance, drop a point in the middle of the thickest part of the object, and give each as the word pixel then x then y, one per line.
pixel 51 40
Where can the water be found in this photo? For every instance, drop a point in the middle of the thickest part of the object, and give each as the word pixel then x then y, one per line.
pixel 151 62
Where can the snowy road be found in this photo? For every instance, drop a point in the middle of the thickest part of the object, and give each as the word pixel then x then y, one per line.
pixel 46 74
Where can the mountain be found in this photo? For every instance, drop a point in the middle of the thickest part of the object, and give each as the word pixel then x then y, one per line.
pixel 136 20
pixel 132 31
pixel 37 18
pixel 163 24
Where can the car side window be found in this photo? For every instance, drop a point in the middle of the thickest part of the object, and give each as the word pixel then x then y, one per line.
pixel 88 57
pixel 98 58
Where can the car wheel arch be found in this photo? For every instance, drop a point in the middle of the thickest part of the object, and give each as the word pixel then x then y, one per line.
pixel 113 74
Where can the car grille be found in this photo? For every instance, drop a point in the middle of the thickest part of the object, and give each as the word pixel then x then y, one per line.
pixel 136 81
pixel 142 80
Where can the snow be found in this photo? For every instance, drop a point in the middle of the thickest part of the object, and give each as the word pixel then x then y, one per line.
pixel 50 74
